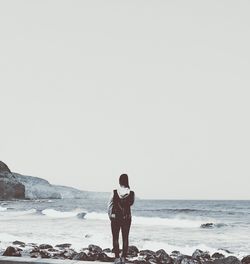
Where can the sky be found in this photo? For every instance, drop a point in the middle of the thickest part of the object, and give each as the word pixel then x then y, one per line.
pixel 159 90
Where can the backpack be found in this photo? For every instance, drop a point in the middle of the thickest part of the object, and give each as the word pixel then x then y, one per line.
pixel 121 206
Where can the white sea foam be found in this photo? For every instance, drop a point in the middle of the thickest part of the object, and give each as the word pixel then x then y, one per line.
pixel 59 214
pixel 137 220
pixel 96 216
pixel 2 209
pixel 171 222
pixel 155 221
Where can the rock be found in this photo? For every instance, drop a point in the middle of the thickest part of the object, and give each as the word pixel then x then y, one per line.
pixel 184 259
pixel 201 255
pixel 107 250
pixel 66 245
pixel 133 251
pixel 12 252
pixel 81 215
pixel 19 243
pixel 10 187
pixel 163 257
pixel 246 260
pixel 45 254
pixel 4 168
pixel 31 244
pixel 217 255
pixel 137 261
pixel 147 252
pixel 104 257
pixel 68 253
pixel 80 256
pixel 52 250
pixel 93 255
pixel 45 246
pixel 86 250
pixel 175 254
pixel 94 248
pixel 207 225
pixel 35 249
pixel 148 255
pixel 34 254
pixel 227 260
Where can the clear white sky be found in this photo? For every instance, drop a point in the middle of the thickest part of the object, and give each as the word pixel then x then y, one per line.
pixel 157 89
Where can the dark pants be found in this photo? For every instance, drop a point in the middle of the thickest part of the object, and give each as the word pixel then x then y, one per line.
pixel 124 225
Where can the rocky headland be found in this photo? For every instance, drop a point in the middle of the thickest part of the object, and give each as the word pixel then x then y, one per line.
pixel 17 186
pixel 10 187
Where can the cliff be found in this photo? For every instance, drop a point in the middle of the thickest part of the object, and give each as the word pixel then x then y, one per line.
pixel 10 187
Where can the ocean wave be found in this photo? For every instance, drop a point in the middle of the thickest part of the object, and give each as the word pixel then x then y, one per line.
pixel 185 210
pixel 2 209
pixel 52 213
pixel 170 222
pixel 188 211
pixel 153 221
pixel 175 222
pixel 137 220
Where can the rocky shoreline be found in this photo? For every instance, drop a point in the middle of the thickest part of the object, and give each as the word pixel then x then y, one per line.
pixel 96 253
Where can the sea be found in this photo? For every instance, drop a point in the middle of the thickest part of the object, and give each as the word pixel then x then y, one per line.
pixel 167 224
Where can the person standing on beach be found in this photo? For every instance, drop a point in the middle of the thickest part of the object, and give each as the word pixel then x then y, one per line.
pixel 120 216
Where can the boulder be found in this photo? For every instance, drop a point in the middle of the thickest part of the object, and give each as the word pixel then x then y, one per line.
pixel 45 246
pixel 148 255
pixel 94 248
pixel 107 250
pixel 143 261
pixel 227 260
pixel 34 254
pixel 174 254
pixel 163 257
pixel 104 257
pixel 184 259
pixel 45 254
pixel 246 260
pixel 132 251
pixel 12 252
pixel 201 255
pixel 65 245
pixel 19 243
pixel 80 256
pixel 93 255
pixel 218 255
pixel 68 253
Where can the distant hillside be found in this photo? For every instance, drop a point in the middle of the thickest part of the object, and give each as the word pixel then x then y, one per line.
pixel 17 186
pixel 38 188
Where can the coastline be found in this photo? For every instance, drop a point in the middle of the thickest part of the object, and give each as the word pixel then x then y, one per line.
pixel 22 253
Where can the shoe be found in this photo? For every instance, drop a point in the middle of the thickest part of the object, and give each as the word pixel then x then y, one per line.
pixel 122 260
pixel 117 261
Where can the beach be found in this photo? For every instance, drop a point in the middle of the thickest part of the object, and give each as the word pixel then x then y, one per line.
pixel 172 225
